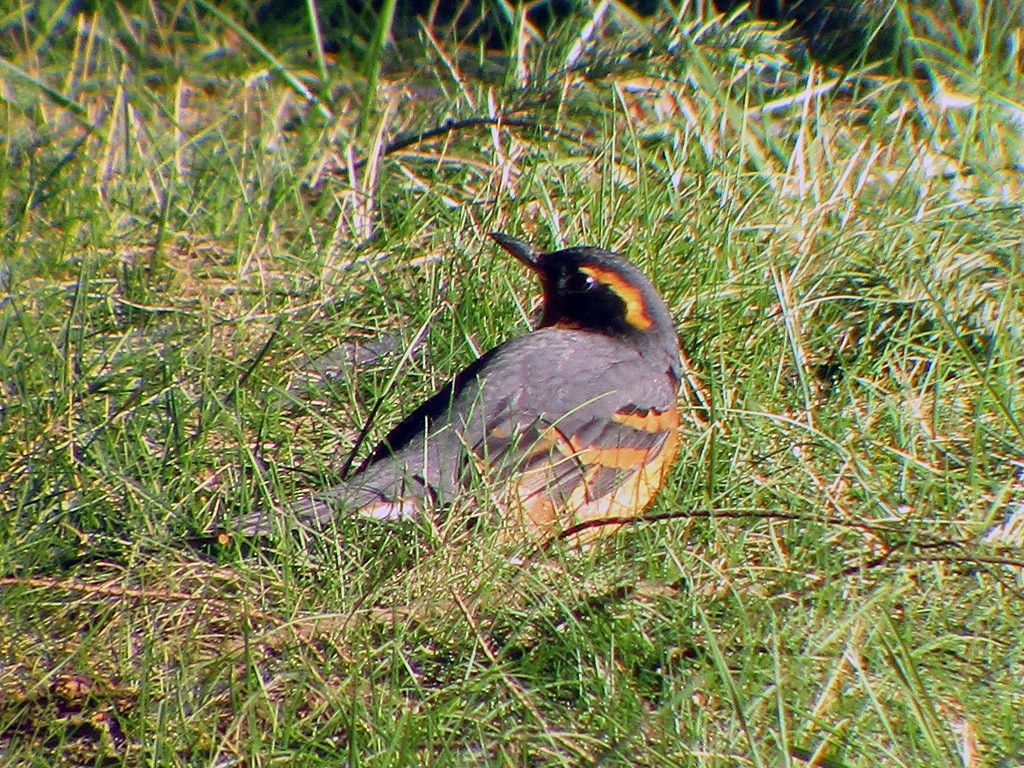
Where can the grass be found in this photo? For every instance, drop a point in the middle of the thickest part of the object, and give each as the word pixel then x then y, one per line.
pixel 833 574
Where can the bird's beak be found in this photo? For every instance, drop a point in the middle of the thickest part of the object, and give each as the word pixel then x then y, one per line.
pixel 523 252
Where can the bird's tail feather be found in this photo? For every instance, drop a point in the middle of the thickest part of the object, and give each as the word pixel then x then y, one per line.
pixel 381 494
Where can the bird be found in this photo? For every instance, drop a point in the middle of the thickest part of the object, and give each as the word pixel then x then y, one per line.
pixel 571 428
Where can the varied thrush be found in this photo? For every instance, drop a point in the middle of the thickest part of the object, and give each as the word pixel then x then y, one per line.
pixel 572 427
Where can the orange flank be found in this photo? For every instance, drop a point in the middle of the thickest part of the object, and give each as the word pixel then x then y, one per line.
pixel 645 468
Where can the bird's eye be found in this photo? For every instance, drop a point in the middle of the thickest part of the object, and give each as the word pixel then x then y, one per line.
pixel 578 282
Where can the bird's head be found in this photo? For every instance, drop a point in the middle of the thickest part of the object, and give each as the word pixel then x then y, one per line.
pixel 595 290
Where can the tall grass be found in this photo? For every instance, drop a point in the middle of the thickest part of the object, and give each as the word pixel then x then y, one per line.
pixel 212 273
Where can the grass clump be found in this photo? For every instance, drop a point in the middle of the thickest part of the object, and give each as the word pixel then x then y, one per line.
pixel 192 223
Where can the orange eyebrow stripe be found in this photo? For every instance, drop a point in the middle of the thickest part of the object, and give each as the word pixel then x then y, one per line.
pixel 636 307
pixel 650 420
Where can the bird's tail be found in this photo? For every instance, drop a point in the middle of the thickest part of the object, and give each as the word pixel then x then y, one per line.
pixel 384 491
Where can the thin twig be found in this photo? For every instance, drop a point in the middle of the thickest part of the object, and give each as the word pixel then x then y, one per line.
pixel 451 125
pixel 130 593
pixel 876 531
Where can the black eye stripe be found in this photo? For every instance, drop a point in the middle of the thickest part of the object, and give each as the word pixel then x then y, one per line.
pixel 578 282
